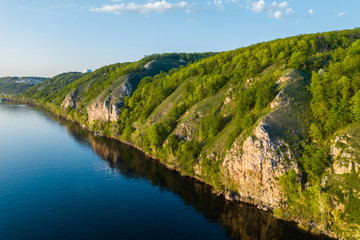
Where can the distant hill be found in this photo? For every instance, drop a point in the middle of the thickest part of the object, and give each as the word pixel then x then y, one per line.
pixel 275 124
pixel 17 85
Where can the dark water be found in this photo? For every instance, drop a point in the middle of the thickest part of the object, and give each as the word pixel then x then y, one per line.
pixel 59 182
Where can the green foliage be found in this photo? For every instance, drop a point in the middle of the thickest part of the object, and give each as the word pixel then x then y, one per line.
pixel 210 126
pixel 314 160
pixel 187 154
pixel 355 106
pixel 335 100
pixel 54 88
pixel 176 112
pixel 172 144
pixel 310 204
pixel 18 85
pixel 291 187
pixel 264 94
pixel 211 173
pixel 158 132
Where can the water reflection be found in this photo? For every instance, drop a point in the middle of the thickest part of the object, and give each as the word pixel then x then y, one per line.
pixel 240 221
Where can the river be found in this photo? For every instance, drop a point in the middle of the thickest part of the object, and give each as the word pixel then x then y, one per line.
pixel 57 181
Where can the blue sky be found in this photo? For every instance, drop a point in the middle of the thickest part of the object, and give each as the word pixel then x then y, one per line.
pixel 46 38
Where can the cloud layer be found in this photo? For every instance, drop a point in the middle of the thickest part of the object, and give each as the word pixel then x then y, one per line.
pixel 277 10
pixel 274 9
pixel 158 6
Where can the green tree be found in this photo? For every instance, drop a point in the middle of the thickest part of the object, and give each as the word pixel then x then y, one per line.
pixel 355 106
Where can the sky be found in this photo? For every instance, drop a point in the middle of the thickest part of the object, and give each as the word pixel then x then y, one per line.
pixel 48 37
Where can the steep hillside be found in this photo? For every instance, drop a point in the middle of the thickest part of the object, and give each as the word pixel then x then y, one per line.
pixel 274 124
pixel 97 96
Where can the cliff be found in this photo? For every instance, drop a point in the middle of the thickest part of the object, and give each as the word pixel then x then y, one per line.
pixel 106 107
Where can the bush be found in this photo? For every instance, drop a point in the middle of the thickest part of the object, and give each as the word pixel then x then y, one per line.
pixel 314 161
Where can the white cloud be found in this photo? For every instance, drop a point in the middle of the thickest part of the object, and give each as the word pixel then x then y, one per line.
pixel 277 14
pixel 157 6
pixel 275 10
pixel 221 4
pixel 217 3
pixel 340 14
pixel 289 12
pixel 257 6
pixel 311 12
pixel 283 5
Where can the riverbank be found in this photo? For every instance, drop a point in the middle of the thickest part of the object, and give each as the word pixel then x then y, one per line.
pixel 310 227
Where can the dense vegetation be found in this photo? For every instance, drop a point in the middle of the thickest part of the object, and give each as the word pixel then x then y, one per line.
pixel 17 85
pixel 48 90
pixel 189 117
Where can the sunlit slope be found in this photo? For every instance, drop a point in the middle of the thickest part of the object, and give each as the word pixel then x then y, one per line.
pixel 271 124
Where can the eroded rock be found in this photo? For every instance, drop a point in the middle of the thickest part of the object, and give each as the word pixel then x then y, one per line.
pixel 344 156
pixel 70 99
pixel 256 165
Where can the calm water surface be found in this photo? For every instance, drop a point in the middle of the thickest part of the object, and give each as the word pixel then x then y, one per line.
pixel 59 182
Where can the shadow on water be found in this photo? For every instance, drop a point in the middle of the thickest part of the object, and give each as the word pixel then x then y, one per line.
pixel 240 220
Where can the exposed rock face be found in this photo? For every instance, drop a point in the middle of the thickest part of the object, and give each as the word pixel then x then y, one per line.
pixel 70 99
pixel 256 162
pixel 227 100
pixel 250 81
pixel 280 100
pixel 99 110
pixel 284 79
pixel 108 110
pixel 256 165
pixel 186 130
pixel 344 155
pixel 229 96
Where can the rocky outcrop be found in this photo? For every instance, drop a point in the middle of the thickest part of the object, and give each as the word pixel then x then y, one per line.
pixel 256 165
pixel 186 129
pixel 256 162
pixel 99 110
pixel 280 100
pixel 284 79
pixel 344 155
pixel 251 81
pixel 229 95
pixel 70 99
pixel 108 110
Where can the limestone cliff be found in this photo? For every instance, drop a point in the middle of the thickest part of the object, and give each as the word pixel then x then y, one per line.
pixel 345 154
pixel 106 107
pixel 256 162
pixel 256 165
pixel 70 99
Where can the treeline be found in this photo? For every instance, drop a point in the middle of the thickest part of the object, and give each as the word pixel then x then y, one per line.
pixel 11 85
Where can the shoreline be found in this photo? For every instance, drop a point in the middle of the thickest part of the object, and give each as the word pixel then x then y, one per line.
pixel 309 227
